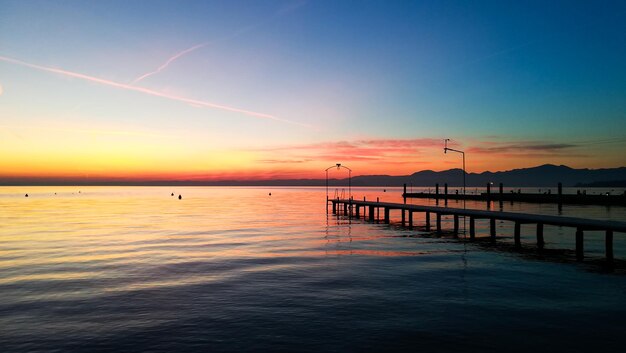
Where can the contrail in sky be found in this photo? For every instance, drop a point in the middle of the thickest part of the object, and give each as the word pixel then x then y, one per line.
pixel 148 91
pixel 169 61
pixel 280 13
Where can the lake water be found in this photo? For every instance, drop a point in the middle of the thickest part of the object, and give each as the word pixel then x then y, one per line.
pixel 234 269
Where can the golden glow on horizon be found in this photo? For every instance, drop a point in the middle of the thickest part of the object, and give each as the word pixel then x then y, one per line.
pixel 101 152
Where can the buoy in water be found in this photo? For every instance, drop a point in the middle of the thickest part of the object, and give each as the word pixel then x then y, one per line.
pixel 180 197
pixel 270 194
pixel 172 194
pixel 26 195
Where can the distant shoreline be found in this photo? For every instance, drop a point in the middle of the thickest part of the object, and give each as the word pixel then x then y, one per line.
pixel 541 176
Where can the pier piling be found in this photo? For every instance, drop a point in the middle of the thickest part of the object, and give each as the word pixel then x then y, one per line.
pixel 609 246
pixel 438 223
pixel 581 224
pixel 404 193
pixel 580 252
pixel 517 234
pixel 540 241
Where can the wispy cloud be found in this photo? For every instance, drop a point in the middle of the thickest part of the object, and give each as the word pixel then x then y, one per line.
pixel 523 148
pixel 168 62
pixel 389 151
pixel 368 146
pixel 128 87
pixel 284 161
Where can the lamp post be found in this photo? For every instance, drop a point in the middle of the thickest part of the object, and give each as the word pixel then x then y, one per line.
pixel 445 150
pixel 338 166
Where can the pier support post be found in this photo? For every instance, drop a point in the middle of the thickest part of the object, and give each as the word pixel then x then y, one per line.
pixel 517 235
pixel 428 221
pixel 403 217
pixel 438 223
pixel 488 192
pixel 410 219
pixel 437 194
pixel 492 228
pixel 404 193
pixel 371 217
pixel 609 246
pixel 356 211
pixel 472 229
pixel 501 196
pixel 345 209
pixel 540 241
pixel 445 193
pixel 386 214
pixel 456 224
pixel 334 207
pixel 580 252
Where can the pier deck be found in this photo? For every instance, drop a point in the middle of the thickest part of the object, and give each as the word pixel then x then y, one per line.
pixel 352 208
pixel 606 200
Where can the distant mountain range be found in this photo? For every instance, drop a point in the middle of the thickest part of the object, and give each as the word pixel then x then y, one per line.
pixel 544 175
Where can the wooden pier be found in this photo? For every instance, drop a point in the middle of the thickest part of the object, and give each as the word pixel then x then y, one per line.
pixel 371 212
pixel 556 198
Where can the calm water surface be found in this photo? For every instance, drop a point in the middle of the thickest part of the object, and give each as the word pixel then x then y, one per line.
pixel 235 269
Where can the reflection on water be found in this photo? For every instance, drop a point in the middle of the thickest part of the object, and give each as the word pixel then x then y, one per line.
pixel 234 269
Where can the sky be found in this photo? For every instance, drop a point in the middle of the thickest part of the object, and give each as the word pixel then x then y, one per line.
pixel 213 90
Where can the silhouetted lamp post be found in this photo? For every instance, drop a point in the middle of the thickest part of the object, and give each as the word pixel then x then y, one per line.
pixel 446 149
pixel 338 166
